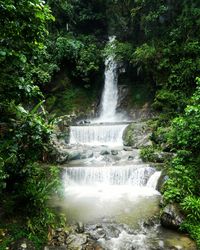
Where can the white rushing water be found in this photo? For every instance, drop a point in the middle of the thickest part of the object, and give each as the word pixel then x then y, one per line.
pixel 110 92
pixel 110 183
pixel 97 134
pixel 153 180
pixel 122 175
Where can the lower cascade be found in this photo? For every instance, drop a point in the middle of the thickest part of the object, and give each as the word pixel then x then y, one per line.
pixel 116 200
pixel 123 175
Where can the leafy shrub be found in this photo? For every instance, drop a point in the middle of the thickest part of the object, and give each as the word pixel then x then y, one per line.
pixel 193 229
pixel 183 185
pixel 191 206
pixel 147 154
pixel 169 102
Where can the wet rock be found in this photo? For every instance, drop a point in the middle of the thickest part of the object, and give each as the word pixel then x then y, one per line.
pixel 58 151
pixel 162 202
pixel 100 233
pixel 127 149
pixel 137 135
pixel 128 136
pixel 83 122
pixel 87 154
pixel 22 244
pixel 151 222
pixel 98 226
pixel 57 154
pixel 161 181
pixel 114 152
pixel 113 231
pixel 130 158
pixel 105 231
pixel 104 152
pixel 76 241
pixel 58 237
pixel 92 245
pixel 123 91
pixel 80 227
pixel 74 156
pixel 171 216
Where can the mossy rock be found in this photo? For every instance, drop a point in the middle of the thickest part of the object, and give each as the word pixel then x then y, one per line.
pixel 128 136
pixel 137 135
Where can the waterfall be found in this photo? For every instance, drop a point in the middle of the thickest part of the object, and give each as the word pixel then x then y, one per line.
pixel 97 135
pixel 110 92
pixel 153 180
pixel 124 175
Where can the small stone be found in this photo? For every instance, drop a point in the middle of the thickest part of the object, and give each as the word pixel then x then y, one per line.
pixel 114 152
pixel 98 226
pixel 66 232
pixel 127 149
pixel 23 245
pixel 104 152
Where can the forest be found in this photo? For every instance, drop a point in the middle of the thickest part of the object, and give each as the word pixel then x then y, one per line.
pixel 52 57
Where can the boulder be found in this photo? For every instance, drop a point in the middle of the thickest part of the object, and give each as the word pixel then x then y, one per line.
pixel 58 151
pixel 62 157
pixel 129 135
pixel 161 181
pixel 74 156
pixel 80 227
pixel 104 152
pixel 137 135
pixel 171 216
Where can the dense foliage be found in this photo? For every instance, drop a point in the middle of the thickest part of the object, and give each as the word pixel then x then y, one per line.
pixel 183 185
pixel 25 185
pixel 168 57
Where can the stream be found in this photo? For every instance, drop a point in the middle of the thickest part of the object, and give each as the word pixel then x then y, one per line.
pixel 114 195
pixel 110 190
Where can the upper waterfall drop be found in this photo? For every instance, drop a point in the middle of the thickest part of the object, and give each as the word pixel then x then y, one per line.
pixel 111 131
pixel 109 98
